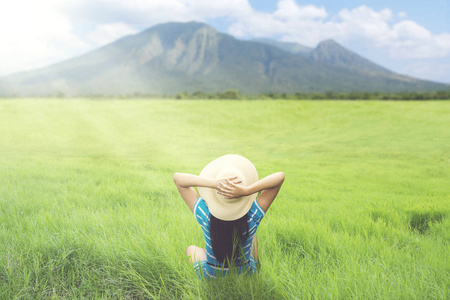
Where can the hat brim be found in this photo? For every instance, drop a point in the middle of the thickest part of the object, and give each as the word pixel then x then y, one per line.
pixel 226 166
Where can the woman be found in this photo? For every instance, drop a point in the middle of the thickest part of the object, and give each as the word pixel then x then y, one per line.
pixel 228 212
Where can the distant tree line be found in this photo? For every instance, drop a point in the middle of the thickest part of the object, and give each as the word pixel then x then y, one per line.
pixel 235 95
pixel 230 94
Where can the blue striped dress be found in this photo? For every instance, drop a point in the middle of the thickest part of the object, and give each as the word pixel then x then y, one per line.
pixel 212 268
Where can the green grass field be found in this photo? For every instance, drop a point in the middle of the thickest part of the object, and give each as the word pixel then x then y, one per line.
pixel 88 208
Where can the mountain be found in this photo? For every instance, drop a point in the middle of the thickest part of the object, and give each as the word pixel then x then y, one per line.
pixel 175 57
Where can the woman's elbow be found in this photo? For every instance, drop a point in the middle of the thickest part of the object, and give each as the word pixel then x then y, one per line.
pixel 281 176
pixel 176 177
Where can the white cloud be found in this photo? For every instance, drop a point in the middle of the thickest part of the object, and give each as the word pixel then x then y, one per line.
pixel 290 21
pixel 407 39
pixel 289 10
pixel 402 14
pixel 148 13
pixel 34 35
pixel 408 30
pixel 107 33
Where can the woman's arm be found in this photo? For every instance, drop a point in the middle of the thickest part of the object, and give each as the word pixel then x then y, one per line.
pixel 188 180
pixel 185 184
pixel 268 186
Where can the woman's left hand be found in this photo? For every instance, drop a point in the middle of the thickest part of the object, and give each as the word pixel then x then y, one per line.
pixel 229 188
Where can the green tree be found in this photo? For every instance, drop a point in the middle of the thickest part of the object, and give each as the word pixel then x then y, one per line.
pixel 230 94
pixel 181 96
pixel 199 95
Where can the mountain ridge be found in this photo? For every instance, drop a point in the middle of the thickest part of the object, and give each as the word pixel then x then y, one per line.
pixel 186 57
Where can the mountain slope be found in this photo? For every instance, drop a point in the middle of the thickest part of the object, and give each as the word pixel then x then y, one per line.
pixel 176 57
pixel 290 47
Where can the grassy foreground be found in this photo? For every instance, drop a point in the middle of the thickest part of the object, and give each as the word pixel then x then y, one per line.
pixel 88 208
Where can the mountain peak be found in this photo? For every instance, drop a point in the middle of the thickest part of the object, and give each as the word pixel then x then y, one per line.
pixel 330 45
pixel 328 42
pixel 334 54
pixel 179 25
pixel 173 29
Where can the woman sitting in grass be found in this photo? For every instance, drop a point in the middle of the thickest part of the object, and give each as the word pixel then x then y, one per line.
pixel 228 212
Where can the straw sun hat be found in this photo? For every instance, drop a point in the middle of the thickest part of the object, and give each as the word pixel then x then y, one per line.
pixel 230 165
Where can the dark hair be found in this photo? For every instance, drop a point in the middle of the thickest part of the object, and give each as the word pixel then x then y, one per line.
pixel 227 238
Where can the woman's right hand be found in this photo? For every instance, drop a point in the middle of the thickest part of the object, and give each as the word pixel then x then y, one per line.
pixel 231 188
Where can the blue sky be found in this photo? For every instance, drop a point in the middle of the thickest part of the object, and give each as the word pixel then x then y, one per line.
pixel 408 37
pixel 433 14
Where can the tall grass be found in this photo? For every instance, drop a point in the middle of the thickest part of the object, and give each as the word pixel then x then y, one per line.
pixel 88 208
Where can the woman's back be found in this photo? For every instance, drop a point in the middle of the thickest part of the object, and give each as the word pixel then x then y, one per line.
pixel 214 266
